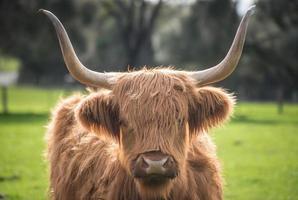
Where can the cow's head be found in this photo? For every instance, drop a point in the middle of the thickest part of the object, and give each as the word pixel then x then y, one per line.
pixel 153 114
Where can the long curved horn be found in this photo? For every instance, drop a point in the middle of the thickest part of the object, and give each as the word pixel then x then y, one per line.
pixel 74 66
pixel 229 63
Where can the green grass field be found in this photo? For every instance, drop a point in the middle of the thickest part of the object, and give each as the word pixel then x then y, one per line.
pixel 258 149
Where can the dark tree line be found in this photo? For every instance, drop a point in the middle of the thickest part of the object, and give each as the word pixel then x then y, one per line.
pixel 205 34
pixel 135 21
pixel 114 34
pixel 275 46
pixel 268 69
pixel 25 34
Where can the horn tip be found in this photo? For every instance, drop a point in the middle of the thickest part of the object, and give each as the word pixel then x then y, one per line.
pixel 43 11
pixel 40 11
pixel 251 10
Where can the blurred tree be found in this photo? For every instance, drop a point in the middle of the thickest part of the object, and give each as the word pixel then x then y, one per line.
pixel 205 34
pixel 135 21
pixel 274 46
pixel 270 62
pixel 30 38
pixel 90 24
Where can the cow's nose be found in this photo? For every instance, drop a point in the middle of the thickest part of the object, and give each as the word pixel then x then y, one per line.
pixel 155 165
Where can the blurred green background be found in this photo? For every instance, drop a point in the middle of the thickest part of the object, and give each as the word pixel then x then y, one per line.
pixel 258 148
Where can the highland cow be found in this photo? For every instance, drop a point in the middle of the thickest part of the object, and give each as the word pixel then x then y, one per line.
pixel 144 136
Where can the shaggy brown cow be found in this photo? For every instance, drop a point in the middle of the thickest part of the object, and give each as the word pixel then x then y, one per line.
pixel 143 138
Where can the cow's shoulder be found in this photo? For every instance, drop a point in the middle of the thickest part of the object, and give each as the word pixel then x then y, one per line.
pixel 202 154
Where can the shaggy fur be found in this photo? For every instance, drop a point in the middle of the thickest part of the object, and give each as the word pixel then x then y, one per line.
pixel 93 140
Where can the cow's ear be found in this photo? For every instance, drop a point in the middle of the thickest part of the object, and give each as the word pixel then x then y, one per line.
pixel 211 107
pixel 98 113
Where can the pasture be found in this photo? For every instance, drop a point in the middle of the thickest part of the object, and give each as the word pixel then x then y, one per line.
pixel 258 149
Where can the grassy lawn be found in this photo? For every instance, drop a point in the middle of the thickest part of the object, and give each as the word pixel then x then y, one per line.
pixel 258 149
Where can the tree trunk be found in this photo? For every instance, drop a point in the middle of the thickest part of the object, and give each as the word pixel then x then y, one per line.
pixel 4 100
pixel 280 100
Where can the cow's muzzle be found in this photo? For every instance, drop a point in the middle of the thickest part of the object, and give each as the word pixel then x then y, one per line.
pixel 155 166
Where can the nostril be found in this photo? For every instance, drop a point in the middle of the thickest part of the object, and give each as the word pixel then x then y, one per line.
pixel 155 165
pixel 169 162
pixel 143 163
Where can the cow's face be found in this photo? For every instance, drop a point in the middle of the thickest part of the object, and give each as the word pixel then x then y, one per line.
pixel 154 117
